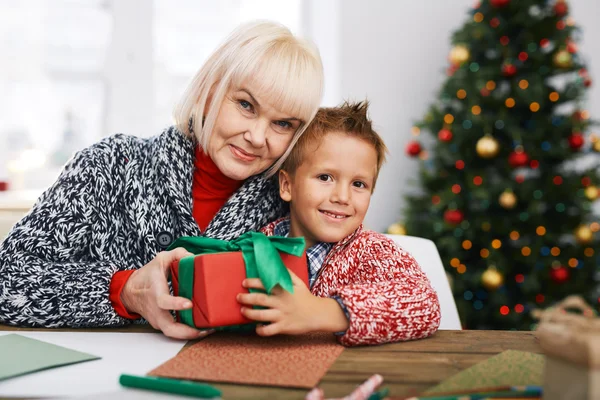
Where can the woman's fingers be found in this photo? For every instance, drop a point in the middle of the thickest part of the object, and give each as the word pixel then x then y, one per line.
pixel 167 302
pixel 177 253
pixel 166 258
pixel 177 330
pixel 164 321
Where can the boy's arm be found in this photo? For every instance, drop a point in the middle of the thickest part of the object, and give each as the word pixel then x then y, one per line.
pixel 392 299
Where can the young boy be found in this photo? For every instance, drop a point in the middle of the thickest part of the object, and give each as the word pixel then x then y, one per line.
pixel 362 286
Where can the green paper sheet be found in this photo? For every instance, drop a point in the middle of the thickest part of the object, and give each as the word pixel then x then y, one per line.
pixel 509 368
pixel 21 355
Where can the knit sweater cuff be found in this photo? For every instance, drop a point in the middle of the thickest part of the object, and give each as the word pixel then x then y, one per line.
pixel 344 309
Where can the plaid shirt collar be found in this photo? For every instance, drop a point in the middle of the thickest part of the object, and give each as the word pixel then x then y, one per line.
pixel 315 254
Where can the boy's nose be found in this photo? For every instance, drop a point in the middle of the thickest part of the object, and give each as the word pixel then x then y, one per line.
pixel 341 194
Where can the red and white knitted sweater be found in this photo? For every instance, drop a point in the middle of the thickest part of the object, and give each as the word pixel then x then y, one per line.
pixel 388 297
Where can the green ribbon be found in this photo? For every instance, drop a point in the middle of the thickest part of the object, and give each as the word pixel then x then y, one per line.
pixel 260 254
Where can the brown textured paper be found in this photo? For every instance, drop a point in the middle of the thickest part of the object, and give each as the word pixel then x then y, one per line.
pixel 288 361
pixel 509 368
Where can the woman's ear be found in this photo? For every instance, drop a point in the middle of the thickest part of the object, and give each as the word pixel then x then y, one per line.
pixel 285 186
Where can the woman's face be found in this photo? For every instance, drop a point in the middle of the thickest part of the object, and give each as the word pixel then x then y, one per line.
pixel 250 134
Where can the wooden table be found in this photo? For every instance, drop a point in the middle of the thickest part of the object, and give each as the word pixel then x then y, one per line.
pixel 408 368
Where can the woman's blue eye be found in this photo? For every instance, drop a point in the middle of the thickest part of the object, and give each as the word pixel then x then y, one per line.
pixel 284 124
pixel 245 105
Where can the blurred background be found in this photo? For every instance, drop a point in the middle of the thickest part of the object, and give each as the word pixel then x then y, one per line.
pixel 73 71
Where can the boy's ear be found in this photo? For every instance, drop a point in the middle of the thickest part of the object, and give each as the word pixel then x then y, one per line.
pixel 285 186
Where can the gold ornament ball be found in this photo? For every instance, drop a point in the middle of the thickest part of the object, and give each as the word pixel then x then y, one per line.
pixel 596 146
pixel 459 55
pixel 492 279
pixel 584 234
pixel 508 199
pixel 563 59
pixel 591 192
pixel 396 229
pixel 487 147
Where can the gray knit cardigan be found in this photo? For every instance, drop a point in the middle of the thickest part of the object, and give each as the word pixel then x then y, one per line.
pixel 114 207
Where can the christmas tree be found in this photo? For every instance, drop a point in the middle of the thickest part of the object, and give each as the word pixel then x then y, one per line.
pixel 506 187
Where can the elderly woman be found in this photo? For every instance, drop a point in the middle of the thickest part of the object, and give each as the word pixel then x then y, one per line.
pixel 92 250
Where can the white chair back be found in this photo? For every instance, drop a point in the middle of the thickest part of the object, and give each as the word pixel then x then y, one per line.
pixel 428 257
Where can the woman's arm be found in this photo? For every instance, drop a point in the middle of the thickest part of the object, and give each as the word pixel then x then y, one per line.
pixel 391 299
pixel 49 277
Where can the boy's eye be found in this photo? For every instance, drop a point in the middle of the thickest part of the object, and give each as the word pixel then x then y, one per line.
pixel 324 177
pixel 359 184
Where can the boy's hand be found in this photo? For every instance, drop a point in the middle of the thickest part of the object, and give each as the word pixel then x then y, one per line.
pixel 288 313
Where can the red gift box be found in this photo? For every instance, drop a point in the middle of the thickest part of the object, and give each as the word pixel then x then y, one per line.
pixel 218 280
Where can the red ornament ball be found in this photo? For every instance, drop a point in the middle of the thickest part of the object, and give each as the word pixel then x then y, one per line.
pixel 572 47
pixel 499 3
pixel 413 148
pixel 586 181
pixel 523 56
pixel 452 69
pixel 509 70
pixel 587 82
pixel 576 141
pixel 559 275
pixel 445 135
pixel 518 159
pixel 561 8
pixel 454 217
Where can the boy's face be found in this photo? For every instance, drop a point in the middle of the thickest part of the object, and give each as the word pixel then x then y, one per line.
pixel 331 190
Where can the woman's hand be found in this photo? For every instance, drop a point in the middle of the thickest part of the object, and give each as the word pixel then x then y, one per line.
pixel 146 293
pixel 291 313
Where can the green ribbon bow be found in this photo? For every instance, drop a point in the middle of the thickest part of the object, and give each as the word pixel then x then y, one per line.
pixel 260 253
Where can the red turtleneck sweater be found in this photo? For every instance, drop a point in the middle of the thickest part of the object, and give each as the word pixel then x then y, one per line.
pixel 210 190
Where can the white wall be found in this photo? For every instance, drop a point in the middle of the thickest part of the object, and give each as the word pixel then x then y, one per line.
pixel 128 70
pixel 395 53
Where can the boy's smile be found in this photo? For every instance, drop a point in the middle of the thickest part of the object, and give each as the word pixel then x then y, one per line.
pixel 330 192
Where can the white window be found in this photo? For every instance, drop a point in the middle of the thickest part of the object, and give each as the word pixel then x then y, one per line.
pixel 74 71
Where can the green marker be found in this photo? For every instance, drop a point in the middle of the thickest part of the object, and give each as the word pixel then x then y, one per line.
pixel 166 385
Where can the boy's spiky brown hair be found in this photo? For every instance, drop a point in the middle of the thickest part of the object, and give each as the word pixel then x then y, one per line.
pixel 349 118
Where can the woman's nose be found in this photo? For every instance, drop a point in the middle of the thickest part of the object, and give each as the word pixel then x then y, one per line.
pixel 257 134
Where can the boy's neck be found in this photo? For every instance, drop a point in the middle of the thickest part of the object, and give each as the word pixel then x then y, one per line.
pixel 296 233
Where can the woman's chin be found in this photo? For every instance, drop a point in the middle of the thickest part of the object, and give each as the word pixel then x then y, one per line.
pixel 239 173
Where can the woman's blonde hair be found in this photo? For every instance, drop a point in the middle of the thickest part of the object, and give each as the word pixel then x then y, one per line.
pixel 285 67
